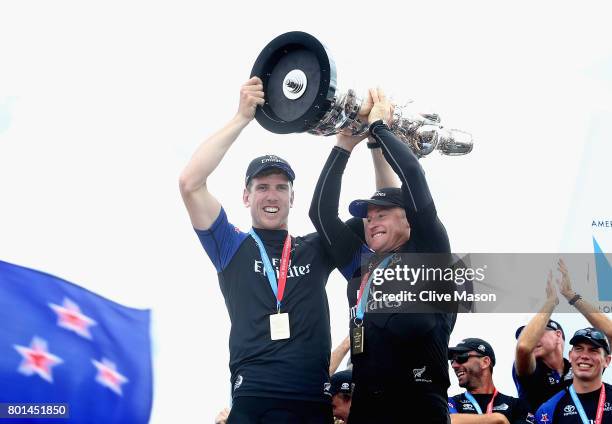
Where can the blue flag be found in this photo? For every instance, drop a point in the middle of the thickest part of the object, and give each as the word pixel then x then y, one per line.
pixel 60 343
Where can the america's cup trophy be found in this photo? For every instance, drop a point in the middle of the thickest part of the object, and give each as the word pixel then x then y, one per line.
pixel 299 78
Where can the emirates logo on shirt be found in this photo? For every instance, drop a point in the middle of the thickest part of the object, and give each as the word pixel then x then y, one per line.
pixel 292 271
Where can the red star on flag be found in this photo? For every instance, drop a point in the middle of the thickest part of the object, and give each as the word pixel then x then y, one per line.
pixel 544 418
pixel 108 375
pixel 70 317
pixel 37 359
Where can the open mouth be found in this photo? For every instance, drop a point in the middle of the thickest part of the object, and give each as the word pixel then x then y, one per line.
pixel 375 235
pixel 460 374
pixel 584 366
pixel 271 209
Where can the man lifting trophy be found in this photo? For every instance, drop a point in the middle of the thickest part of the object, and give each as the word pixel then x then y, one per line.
pixel 301 92
pixel 280 337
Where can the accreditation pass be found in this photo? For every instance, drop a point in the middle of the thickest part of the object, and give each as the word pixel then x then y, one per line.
pixel 279 326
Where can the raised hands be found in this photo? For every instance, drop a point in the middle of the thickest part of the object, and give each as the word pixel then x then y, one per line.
pixel 344 138
pixel 382 108
pixel 551 290
pixel 564 284
pixel 376 106
pixel 251 96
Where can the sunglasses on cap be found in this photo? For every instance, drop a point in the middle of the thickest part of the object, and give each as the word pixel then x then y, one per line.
pixel 592 334
pixel 595 336
pixel 462 358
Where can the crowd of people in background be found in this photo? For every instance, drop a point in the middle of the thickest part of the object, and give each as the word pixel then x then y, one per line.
pixel 551 389
pixel 281 363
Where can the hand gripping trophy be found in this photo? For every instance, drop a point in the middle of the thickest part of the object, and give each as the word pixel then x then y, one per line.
pixel 299 78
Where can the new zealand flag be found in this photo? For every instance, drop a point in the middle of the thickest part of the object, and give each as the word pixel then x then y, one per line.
pixel 60 343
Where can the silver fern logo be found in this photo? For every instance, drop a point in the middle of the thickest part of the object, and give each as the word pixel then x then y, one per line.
pixel 419 375
pixel 418 372
pixel 238 382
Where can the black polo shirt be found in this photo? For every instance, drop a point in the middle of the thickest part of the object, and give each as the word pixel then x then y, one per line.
pixel 542 384
pixel 514 409
pixel 295 368
pixel 560 409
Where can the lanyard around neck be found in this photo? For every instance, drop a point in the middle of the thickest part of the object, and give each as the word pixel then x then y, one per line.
pixel 600 405
pixel 472 400
pixel 277 288
pixel 364 288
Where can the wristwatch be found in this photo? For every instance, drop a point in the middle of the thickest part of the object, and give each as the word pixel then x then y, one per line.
pixel 574 299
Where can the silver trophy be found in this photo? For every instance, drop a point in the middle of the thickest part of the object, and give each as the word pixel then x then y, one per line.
pixel 301 92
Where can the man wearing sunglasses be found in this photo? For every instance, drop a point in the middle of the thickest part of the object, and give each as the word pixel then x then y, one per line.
pixel 540 370
pixel 587 400
pixel 473 360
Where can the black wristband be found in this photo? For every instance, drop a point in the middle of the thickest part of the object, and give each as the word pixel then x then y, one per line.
pixel 574 299
pixel 342 150
pixel 377 124
pixel 374 145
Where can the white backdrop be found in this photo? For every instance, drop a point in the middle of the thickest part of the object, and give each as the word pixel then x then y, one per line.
pixel 102 104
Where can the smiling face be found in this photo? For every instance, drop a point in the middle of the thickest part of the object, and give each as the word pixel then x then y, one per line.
pixel 588 361
pixel 470 374
pixel 386 228
pixel 269 197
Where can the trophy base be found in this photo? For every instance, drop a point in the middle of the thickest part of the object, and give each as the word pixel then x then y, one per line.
pixel 299 79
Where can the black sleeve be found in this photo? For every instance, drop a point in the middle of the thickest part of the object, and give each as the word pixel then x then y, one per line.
pixel 419 205
pixel 341 242
pixel 356 225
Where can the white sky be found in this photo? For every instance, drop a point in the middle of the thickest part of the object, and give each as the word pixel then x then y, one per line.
pixel 102 104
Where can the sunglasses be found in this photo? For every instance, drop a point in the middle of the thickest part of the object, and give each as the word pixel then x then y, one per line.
pixel 462 358
pixel 592 334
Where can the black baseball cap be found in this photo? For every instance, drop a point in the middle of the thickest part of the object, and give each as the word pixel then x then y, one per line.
pixel 551 325
pixel 341 382
pixel 591 335
pixel 473 344
pixel 262 163
pixel 386 197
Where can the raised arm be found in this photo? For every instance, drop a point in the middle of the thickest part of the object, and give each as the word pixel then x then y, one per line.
pixel 385 177
pixel 340 241
pixel 418 202
pixel 338 354
pixel 203 208
pixel 524 358
pixel 383 173
pixel 595 317
pixel 399 156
